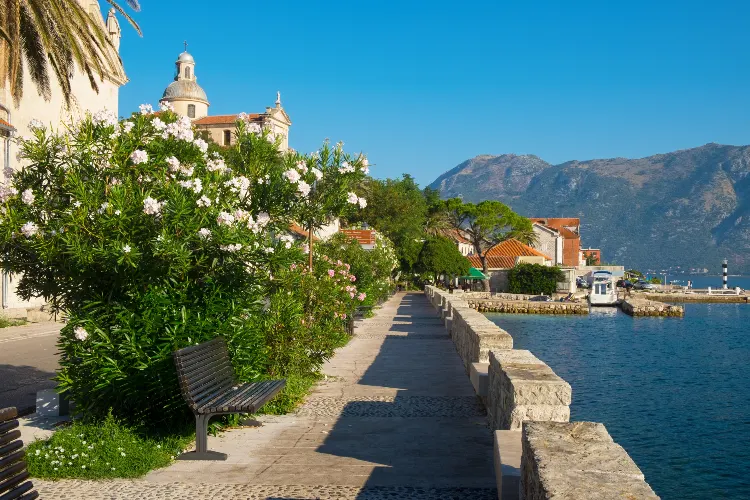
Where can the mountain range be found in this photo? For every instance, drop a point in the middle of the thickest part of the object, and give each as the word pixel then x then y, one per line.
pixel 688 208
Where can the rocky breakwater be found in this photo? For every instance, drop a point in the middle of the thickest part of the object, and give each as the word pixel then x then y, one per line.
pixel 527 307
pixel 636 306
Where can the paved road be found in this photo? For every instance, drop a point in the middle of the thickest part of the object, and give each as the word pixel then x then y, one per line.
pixel 28 360
pixel 396 418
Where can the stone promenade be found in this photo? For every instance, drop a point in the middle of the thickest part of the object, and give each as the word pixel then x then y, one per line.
pixel 396 417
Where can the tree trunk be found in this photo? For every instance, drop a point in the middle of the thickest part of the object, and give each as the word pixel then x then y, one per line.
pixel 310 248
pixel 485 271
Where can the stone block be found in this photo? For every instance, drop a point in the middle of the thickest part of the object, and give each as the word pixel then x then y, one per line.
pixel 507 458
pixel 521 387
pixel 480 378
pixel 51 404
pixel 577 461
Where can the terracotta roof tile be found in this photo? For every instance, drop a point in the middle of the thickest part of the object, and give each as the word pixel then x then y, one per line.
pixel 456 235
pixel 493 262
pixel 514 248
pixel 223 119
pixel 300 231
pixel 6 125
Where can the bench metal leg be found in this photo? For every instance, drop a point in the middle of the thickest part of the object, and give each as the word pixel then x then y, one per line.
pixel 201 442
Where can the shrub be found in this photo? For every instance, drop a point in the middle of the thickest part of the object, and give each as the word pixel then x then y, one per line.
pixel 149 243
pixel 372 268
pixel 534 279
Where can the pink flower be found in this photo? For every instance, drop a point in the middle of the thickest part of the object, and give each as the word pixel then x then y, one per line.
pixel 331 273
pixel 351 295
pixel 293 267
pixel 352 278
pixel 361 296
pixel 343 316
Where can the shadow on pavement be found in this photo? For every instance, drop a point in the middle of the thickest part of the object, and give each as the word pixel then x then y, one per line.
pixel 19 385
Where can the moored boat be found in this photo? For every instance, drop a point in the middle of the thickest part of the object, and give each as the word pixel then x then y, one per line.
pixel 602 289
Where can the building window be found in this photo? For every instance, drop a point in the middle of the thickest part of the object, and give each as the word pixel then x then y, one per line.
pixel 191 110
pixel 187 72
pixel 227 137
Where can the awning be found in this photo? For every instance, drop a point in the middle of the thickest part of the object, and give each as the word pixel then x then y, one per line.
pixel 474 274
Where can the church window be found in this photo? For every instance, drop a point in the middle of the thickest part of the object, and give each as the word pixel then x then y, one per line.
pixel 191 110
pixel 187 72
pixel 227 137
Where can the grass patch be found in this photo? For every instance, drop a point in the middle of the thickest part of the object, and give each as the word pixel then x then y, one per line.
pixel 6 322
pixel 297 387
pixel 103 450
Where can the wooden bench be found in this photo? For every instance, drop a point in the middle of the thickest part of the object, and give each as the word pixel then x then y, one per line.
pixel 14 477
pixel 210 388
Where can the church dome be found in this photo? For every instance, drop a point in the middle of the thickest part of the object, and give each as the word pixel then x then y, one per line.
pixel 185 57
pixel 185 89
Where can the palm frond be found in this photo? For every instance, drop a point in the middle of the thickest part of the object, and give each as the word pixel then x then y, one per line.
pixel 33 49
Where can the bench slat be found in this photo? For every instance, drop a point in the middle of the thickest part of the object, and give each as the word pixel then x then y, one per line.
pixel 273 388
pixel 244 392
pixel 9 436
pixel 8 413
pixel 211 389
pixel 185 351
pixel 21 493
pixel 12 458
pixel 13 482
pixel 8 426
pixel 198 360
pixel 198 379
pixel 255 396
pixel 10 448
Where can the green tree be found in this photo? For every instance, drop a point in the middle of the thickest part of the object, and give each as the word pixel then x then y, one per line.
pixel 534 279
pixel 486 224
pixel 396 208
pixel 591 260
pixel 59 34
pixel 440 256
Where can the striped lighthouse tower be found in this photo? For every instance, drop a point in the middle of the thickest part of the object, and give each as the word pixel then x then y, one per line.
pixel 724 273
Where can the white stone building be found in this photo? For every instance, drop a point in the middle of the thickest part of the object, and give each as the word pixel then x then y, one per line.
pixel 549 242
pixel 15 118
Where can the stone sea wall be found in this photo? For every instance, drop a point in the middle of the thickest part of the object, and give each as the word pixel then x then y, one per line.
pixel 522 393
pixel 643 307
pixel 521 307
pixel 698 298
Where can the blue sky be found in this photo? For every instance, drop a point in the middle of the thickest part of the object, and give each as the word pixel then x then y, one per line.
pixel 423 86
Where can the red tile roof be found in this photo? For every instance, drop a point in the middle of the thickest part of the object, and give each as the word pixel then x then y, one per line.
pixel 363 236
pixel 514 248
pixel 456 235
pixel 7 125
pixel 493 262
pixel 300 231
pixel 223 119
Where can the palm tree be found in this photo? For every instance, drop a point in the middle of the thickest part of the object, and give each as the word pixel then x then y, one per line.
pixel 61 33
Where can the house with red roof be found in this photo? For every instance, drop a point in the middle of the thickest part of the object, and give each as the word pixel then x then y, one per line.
pixel 559 237
pixel 505 256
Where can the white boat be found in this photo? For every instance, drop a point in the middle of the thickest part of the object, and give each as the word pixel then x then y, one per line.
pixel 602 289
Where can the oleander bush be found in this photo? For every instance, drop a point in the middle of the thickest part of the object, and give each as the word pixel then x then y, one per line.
pixel 149 243
pixel 372 268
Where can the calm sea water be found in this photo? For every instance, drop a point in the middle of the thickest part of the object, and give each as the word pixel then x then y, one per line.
pixel 704 281
pixel 675 393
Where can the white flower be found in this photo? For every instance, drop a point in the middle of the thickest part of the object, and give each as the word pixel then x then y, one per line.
pixel 105 118
pixel 35 125
pixel 81 334
pixel 6 192
pixel 287 239
pixel 352 198
pixel 238 185
pixel 126 249
pixel 302 166
pixel 268 250
pixel 127 127
pixel 303 188
pixel 103 207
pixel 204 233
pixel 146 109
pixel 158 124
pixel 346 168
pixel 215 164
pixel 29 229
pixel 305 248
pixel 242 117
pixel 254 128
pixel 362 202
pixel 231 248
pixel 27 197
pixel 263 219
pixel 115 182
pixel 117 212
pixel 292 175
pixel 195 184
pixel 202 145
pixel 139 156
pixel 166 106
pixel 174 164
pixel 204 201
pixel 365 166
pixel 241 215
pixel 225 219
pixel 152 206
pixel 317 173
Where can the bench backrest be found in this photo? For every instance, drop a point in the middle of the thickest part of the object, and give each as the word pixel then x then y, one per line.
pixel 13 474
pixel 204 371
